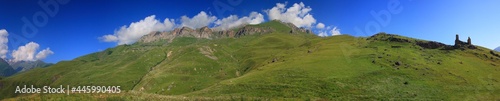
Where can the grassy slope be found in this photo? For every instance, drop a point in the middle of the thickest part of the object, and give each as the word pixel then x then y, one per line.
pixel 339 67
pixel 118 66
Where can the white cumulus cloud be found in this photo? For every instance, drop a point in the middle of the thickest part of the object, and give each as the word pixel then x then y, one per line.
pixel 197 21
pixel 298 14
pixel 27 53
pixel 320 26
pixel 335 31
pixel 328 31
pixel 44 53
pixel 133 32
pixel 323 34
pixel 233 21
pixel 4 48
pixel 109 38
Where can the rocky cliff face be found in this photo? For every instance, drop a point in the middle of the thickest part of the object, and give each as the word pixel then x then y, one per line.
pixel 228 33
pixel 208 33
pixel 184 32
pixel 204 32
pixel 296 29
pixel 178 32
pixel 155 36
pixel 249 30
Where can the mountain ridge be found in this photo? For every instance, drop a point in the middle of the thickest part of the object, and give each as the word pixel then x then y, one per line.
pixel 275 66
pixel 5 69
pixel 21 66
pixel 213 33
pixel 8 68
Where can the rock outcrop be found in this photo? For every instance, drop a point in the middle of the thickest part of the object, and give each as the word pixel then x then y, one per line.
pixel 249 30
pixel 186 32
pixel 389 37
pixel 203 33
pixel 295 29
pixel 156 36
pixel 494 54
pixel 430 44
pixel 208 33
pixel 228 33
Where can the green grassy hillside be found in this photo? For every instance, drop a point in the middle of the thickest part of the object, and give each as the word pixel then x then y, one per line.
pixel 273 66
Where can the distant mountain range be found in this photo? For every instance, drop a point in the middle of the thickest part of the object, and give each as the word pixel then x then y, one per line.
pixel 5 68
pixel 497 49
pixel 11 68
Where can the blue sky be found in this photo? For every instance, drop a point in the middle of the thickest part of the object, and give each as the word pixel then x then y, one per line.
pixel 75 29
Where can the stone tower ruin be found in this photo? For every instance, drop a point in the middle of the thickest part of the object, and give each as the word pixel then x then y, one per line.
pixel 461 44
pixel 469 41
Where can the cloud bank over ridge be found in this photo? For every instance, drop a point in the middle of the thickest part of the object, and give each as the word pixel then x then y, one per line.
pixel 298 14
